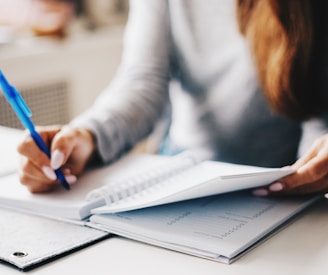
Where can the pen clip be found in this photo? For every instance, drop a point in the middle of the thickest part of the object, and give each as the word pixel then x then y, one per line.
pixel 13 95
pixel 21 103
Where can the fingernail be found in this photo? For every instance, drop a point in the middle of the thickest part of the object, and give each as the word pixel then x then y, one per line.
pixel 260 192
pixel 71 179
pixel 57 159
pixel 49 172
pixel 277 186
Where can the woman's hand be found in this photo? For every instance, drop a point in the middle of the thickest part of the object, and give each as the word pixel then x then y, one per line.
pixel 71 149
pixel 311 174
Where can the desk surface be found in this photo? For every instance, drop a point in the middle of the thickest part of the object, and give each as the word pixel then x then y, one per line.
pixel 300 248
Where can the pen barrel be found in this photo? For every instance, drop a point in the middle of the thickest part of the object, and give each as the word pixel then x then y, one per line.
pixel 40 143
pixel 24 113
pixel 44 148
pixel 61 178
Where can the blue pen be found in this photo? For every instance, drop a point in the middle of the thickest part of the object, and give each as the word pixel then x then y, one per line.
pixel 24 113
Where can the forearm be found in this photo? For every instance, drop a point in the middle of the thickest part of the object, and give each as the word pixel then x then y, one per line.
pixel 128 109
pixel 119 120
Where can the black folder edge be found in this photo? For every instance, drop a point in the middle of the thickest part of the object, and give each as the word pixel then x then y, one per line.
pixel 54 257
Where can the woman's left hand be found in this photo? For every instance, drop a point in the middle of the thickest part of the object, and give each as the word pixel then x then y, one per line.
pixel 311 174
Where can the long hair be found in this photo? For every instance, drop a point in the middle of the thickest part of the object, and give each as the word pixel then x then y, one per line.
pixel 287 39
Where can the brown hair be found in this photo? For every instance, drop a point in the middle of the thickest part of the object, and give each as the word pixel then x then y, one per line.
pixel 286 38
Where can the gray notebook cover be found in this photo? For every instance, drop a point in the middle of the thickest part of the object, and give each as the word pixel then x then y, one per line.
pixel 28 241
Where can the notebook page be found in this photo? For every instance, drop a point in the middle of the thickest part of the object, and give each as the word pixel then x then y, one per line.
pixel 223 225
pixel 8 153
pixel 204 179
pixel 71 204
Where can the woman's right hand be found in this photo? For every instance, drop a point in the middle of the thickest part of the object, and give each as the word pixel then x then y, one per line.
pixel 71 149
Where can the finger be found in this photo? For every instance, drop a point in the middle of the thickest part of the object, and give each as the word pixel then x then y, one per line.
pixel 39 187
pixel 320 186
pixel 277 189
pixel 73 148
pixel 40 160
pixel 29 170
pixel 311 168
pixel 62 147
pixel 312 171
pixel 318 147
pixel 29 149
pixel 303 160
pixel 313 188
pixel 34 179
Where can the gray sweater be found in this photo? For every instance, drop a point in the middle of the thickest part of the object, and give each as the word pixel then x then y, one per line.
pixel 187 56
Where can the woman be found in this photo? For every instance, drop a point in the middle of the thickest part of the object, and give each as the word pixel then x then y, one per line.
pixel 212 69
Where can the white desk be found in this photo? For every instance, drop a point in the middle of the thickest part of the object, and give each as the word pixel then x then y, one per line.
pixel 301 248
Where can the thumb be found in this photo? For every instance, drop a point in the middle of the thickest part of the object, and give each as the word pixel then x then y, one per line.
pixel 72 147
pixel 62 147
pixel 57 159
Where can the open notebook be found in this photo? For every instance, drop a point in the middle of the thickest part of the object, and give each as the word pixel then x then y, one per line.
pixel 220 228
pixel 137 181
pixel 210 221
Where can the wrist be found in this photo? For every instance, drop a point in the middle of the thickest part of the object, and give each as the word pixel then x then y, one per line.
pixel 94 157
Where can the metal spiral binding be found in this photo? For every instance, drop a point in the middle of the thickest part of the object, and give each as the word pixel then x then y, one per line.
pixel 123 189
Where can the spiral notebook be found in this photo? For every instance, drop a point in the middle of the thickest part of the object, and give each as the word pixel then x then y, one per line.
pixel 151 186
pixel 137 181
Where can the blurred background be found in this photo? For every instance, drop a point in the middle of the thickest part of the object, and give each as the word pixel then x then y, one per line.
pixel 60 54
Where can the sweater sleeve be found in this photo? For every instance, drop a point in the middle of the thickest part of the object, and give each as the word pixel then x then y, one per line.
pixel 129 108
